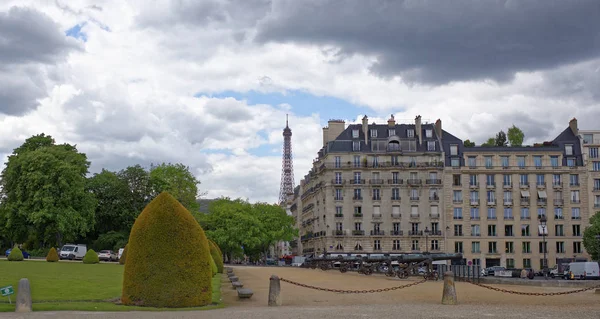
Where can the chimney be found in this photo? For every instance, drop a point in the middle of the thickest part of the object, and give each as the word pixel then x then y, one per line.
pixel 573 126
pixel 391 121
pixel 333 129
pixel 418 128
pixel 325 135
pixel 365 128
pixel 438 128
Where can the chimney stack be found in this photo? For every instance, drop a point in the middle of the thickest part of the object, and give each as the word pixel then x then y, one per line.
pixel 573 126
pixel 392 121
pixel 438 128
pixel 418 128
pixel 333 129
pixel 365 128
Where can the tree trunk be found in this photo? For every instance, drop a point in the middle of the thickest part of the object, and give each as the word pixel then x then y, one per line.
pixel 59 239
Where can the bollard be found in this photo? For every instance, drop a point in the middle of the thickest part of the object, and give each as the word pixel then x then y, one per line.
pixel 23 303
pixel 598 291
pixel 274 291
pixel 449 293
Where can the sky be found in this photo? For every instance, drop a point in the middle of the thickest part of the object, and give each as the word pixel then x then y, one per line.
pixel 209 83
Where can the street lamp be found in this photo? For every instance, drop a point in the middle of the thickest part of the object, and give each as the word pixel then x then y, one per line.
pixel 426 231
pixel 543 224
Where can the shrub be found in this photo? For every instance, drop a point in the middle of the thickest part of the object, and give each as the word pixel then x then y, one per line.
pixel 213 267
pixel 15 254
pixel 52 255
pixel 91 257
pixel 123 256
pixel 216 255
pixel 168 263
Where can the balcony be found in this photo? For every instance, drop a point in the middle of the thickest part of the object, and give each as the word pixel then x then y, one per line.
pixel 525 201
pixel 338 181
pixel 433 181
pixel 415 233
pixel 435 233
pixel 395 181
pixel 434 216
pixel 557 185
pixel 395 197
pixel 338 198
pixel 339 216
pixel 377 233
pixel 509 217
pixel 559 217
pixel 490 185
pixel 396 233
pixel 575 201
pixel 574 184
pixel 396 215
pixel 376 216
pixel 412 181
pixel 414 198
pixel 558 202
pixel 415 216
pixel 474 218
pixel 474 202
pixel 434 198
pixel 540 185
pixel 596 189
pixel 492 218
pixel 491 202
pixel 338 233
pixel 542 201
pixel 358 233
pixel 376 198
pixel 474 185
pixel 457 201
pixel 357 198
pixel 376 181
pixel 524 185
pixel 596 205
pixel 456 184
pixel 507 185
pixel 358 215
pixel 508 202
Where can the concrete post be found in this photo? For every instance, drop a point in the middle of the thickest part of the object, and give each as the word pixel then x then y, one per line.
pixel 274 291
pixel 449 293
pixel 24 301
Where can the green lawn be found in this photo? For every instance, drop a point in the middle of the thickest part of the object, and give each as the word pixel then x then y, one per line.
pixel 75 286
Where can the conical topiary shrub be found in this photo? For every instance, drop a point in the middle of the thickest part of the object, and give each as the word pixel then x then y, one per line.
pixel 15 254
pixel 91 257
pixel 216 255
pixel 168 258
pixel 52 255
pixel 123 256
pixel 213 267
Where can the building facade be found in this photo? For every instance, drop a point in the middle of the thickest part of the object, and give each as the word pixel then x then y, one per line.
pixel 404 188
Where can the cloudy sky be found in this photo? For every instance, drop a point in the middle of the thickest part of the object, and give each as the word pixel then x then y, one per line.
pixel 208 82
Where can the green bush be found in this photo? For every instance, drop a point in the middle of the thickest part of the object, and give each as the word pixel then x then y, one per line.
pixel 213 267
pixel 123 256
pixel 15 254
pixel 39 252
pixel 52 255
pixel 215 252
pixel 168 262
pixel 91 257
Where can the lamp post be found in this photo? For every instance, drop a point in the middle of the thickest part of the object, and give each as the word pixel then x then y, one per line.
pixel 426 231
pixel 543 224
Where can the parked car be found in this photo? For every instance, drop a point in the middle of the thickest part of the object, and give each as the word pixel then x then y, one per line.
pixel 25 254
pixel 72 251
pixel 107 255
pixel 491 270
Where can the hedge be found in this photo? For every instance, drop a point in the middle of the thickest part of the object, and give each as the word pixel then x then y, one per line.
pixel 213 266
pixel 52 255
pixel 168 262
pixel 215 252
pixel 15 255
pixel 123 256
pixel 91 257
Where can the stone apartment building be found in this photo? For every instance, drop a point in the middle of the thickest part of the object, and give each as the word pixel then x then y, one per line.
pixel 402 188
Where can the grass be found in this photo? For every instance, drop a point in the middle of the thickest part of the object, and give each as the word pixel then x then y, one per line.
pixel 76 286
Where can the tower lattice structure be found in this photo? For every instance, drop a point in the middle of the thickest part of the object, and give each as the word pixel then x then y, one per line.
pixel 286 189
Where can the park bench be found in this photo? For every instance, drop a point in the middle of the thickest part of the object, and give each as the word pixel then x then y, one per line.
pixel 234 278
pixel 237 284
pixel 244 293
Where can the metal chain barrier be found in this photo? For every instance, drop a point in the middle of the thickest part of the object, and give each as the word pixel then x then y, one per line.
pixel 534 293
pixel 353 291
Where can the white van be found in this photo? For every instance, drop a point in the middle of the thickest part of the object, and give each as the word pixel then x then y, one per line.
pixel 72 251
pixel 585 270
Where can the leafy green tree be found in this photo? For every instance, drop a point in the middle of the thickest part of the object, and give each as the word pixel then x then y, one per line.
pixel 275 224
pixel 140 190
pixel 591 244
pixel 515 136
pixel 501 139
pixel 114 211
pixel 468 143
pixel 178 181
pixel 43 189
pixel 490 142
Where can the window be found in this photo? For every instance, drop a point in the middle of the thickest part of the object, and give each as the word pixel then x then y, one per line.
pixel 435 245
pixel 525 213
pixel 428 133
pixel 488 162
pixel 431 145
pixel 456 180
pixel 540 180
pixel 453 150
pixel 356 160
pixel 475 247
pixel 556 180
pixel 410 133
pixel 395 177
pixel 458 213
pixel 526 263
pixel 575 213
pixel 504 160
pixel 415 245
pixel 391 132
pixel 338 178
pixel 569 149
pixel 537 161
pixel 338 194
pixel 357 179
pixel 376 193
pixel 455 162
pixel 357 210
pixel 338 162
pixel 414 194
pixel 507 180
pixel 576 230
pixel 358 226
pixel 491 213
pixel 574 179
pixel 510 263
pixel 596 184
pixel 492 247
pixel 339 226
pixel 396 244
pixel 575 197
pixel 358 246
pixel 588 138
pixel 377 244
pixel 373 133
pixel 543 247
pixel 559 230
pixel 354 133
pixel 395 193
pixel 458 247
pixel 339 247
pixel 356 145
pixel 457 197
pixel 490 179
pixel 509 247
pixel 560 247
pixel 508 213
pixel 434 214
pixel 338 211
pixel 525 231
pixel 526 247
pixel 596 166
pixel 396 227
pixel 508 230
pixel 577 247
pixel 508 196
pixel 472 161
pixel 521 161
pixel 558 213
pixel 375 161
pixel 541 212
pixel 593 152
pixel 524 179
pixel 491 197
pixel 377 213
pixel 475 213
pixel 492 230
pixel 554 161
pixel 414 211
pixel 475 230
pixel 458 230
pixel 570 162
pixel 473 180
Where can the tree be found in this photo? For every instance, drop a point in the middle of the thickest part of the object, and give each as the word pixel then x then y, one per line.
pixel 468 143
pixel 140 190
pixel 178 181
pixel 114 211
pixel 490 142
pixel 591 244
pixel 515 136
pixel 275 225
pixel 501 139
pixel 43 190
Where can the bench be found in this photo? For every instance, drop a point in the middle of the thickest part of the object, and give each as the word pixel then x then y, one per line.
pixel 234 278
pixel 237 284
pixel 244 293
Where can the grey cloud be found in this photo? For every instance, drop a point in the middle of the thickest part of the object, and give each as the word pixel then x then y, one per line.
pixel 229 112
pixel 437 42
pixel 535 129
pixel 20 90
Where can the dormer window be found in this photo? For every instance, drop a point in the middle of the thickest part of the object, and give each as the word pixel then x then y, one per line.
pixel 428 133
pixel 431 145
pixel 392 132
pixel 356 146
pixel 373 133
pixel 569 149
pixel 410 133
pixel 453 150
pixel 354 133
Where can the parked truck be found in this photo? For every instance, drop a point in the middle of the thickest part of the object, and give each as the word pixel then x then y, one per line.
pixel 584 270
pixel 72 251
